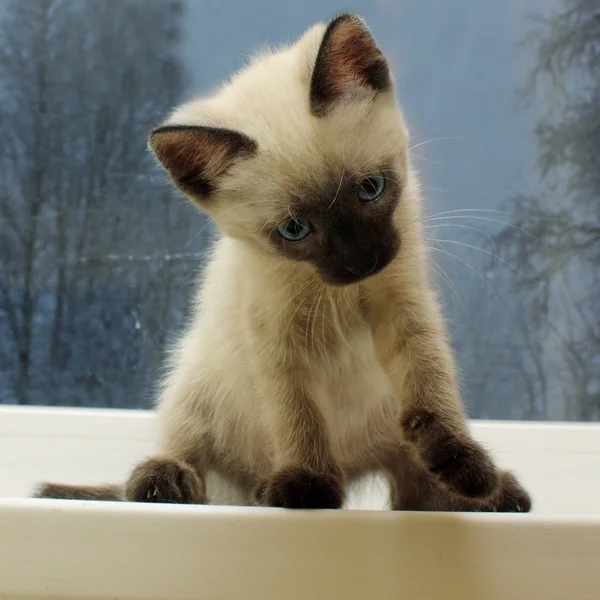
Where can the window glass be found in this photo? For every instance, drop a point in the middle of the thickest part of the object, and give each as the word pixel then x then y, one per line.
pixel 99 256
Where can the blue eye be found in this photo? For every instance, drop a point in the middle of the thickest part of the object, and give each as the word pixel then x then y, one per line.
pixel 295 229
pixel 371 188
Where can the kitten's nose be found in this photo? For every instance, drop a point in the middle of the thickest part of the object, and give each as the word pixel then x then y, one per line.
pixel 355 270
pixel 362 268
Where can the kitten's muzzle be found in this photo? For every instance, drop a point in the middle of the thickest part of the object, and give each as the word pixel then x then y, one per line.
pixel 357 251
pixel 361 267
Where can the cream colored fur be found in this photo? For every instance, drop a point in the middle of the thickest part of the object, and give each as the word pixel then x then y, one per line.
pixel 284 385
pixel 261 323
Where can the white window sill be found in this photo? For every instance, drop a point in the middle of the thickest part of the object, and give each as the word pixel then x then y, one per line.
pixel 76 550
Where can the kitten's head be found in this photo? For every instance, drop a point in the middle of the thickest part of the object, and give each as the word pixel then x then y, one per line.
pixel 301 154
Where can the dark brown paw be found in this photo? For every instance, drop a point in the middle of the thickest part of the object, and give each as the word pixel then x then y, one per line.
pixel 457 459
pixel 165 481
pixel 513 497
pixel 301 488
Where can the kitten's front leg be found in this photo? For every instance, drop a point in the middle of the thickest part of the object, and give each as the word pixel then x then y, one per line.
pixel 305 473
pixel 415 488
pixel 421 367
pixel 177 474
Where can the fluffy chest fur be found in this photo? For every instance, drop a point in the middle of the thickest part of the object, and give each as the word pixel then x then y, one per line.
pixel 322 336
pixel 356 398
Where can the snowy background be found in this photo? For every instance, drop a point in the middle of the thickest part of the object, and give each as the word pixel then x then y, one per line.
pixel 98 255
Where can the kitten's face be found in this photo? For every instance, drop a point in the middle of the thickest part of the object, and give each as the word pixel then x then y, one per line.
pixel 318 172
pixel 344 226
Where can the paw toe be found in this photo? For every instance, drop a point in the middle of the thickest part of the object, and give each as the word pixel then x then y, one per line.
pixel 164 481
pixel 514 498
pixel 304 489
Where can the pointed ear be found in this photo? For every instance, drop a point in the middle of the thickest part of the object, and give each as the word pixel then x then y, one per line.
pixel 348 60
pixel 196 157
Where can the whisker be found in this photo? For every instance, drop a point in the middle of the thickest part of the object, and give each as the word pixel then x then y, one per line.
pixel 464 244
pixel 310 312
pixel 362 169
pixel 302 287
pixel 472 268
pixel 448 280
pixel 199 233
pixel 314 321
pixel 290 212
pixel 462 226
pixel 506 223
pixel 324 311
pixel 463 210
pixel 335 313
pixel 251 203
pixel 435 189
pixel 337 192
pixel 267 223
pixel 433 162
pixel 440 139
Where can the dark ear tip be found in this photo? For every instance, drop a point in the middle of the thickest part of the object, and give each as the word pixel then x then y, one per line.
pixel 152 138
pixel 347 16
pixel 154 133
pixel 351 18
pixel 157 132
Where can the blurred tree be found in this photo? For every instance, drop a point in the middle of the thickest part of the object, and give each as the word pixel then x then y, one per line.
pixel 90 232
pixel 555 245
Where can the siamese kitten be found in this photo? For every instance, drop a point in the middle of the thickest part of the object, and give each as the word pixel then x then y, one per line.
pixel 316 352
